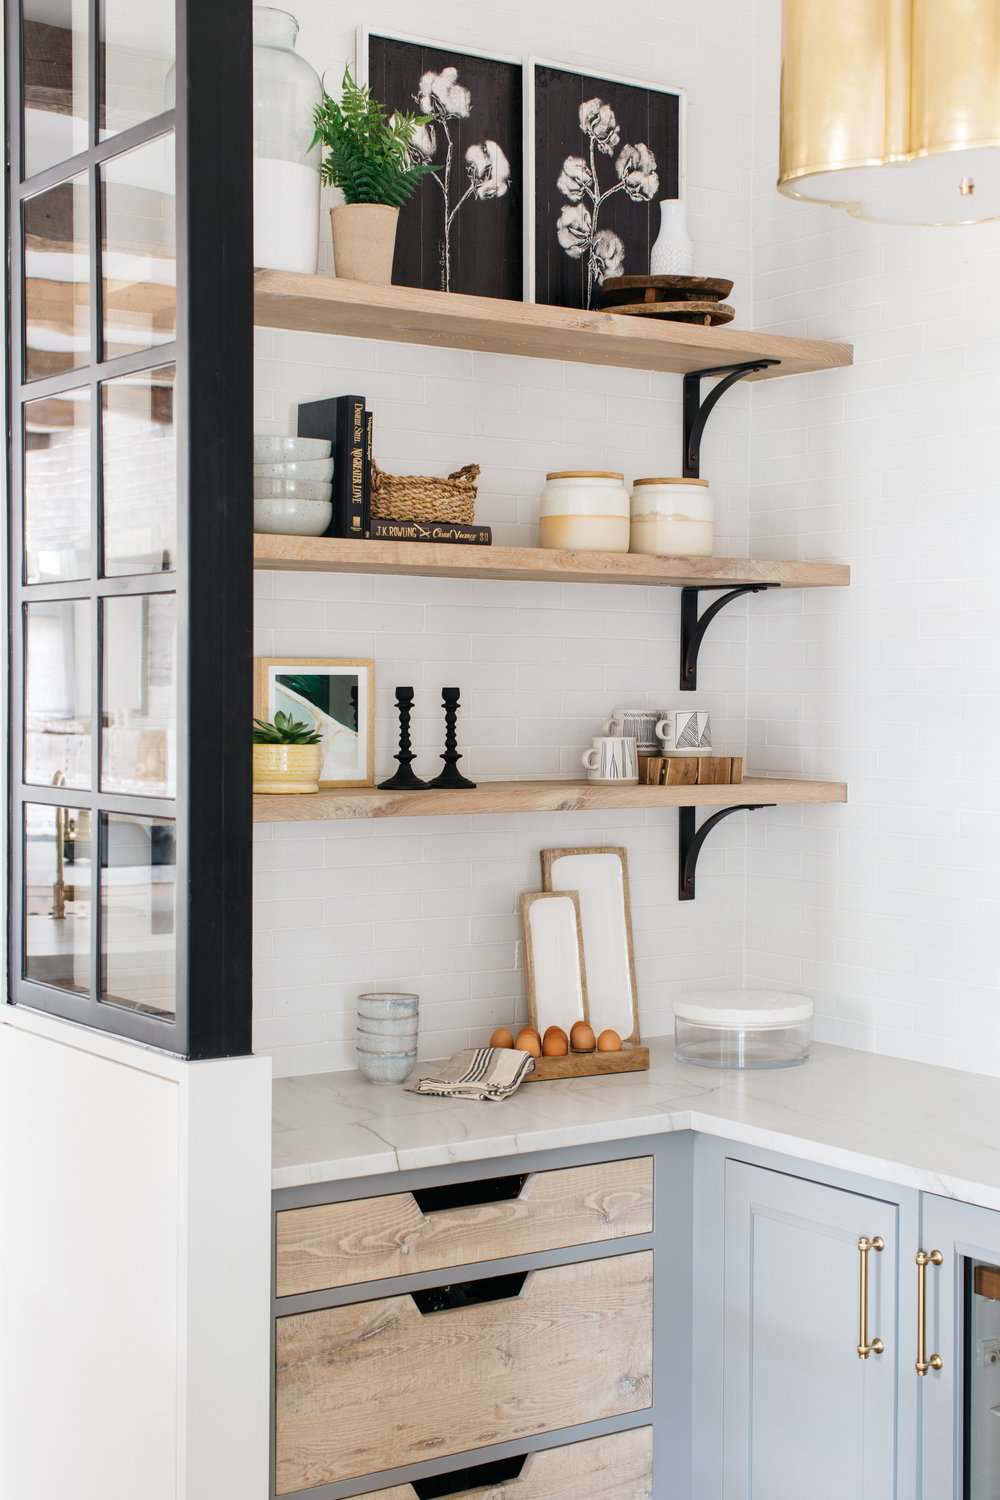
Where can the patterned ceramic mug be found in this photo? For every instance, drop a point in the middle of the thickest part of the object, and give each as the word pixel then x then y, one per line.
pixel 637 723
pixel 612 757
pixel 685 731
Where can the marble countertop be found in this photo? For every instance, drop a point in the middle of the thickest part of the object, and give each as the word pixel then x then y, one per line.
pixel 923 1127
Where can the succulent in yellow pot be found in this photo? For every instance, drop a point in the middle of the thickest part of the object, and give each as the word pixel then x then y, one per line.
pixel 287 756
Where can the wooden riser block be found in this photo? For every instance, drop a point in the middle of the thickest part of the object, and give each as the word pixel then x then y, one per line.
pixel 590 1064
pixel 691 770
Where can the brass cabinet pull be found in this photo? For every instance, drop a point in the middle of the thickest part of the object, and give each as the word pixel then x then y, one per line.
pixel 924 1259
pixel 876 1346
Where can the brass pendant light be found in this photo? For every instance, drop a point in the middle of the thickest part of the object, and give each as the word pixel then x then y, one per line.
pixel 891 108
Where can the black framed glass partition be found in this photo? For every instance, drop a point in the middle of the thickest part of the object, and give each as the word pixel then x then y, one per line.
pixel 129 575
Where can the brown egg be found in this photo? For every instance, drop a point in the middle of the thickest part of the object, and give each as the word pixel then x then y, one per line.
pixel 502 1037
pixel 555 1042
pixel 582 1038
pixel 609 1041
pixel 528 1040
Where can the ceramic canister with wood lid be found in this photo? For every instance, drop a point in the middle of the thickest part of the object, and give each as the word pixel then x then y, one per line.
pixel 585 511
pixel 673 517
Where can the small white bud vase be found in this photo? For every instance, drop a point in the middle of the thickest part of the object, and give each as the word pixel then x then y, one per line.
pixel 673 252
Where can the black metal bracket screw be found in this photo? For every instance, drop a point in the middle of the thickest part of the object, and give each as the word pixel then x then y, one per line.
pixel 693 628
pixel 697 411
pixel 451 777
pixel 691 839
pixel 404 779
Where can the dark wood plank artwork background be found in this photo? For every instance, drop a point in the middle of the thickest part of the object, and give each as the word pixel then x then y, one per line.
pixel 487 254
pixel 644 115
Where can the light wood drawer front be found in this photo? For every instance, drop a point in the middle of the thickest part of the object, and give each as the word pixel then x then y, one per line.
pixel 380 1384
pixel 339 1244
pixel 619 1467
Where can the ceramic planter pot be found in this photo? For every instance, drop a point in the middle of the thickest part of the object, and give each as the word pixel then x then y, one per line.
pixel 287 769
pixel 364 241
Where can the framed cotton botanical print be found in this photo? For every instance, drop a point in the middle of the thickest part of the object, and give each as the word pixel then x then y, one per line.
pixel 603 152
pixel 463 229
pixel 335 697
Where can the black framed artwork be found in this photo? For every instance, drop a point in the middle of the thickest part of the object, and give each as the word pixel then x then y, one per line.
pixel 604 152
pixel 463 229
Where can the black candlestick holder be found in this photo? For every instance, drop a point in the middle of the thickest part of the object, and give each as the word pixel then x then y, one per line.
pixel 451 776
pixel 404 780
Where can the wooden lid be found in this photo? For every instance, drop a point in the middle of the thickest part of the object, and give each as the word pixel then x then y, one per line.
pixel 636 482
pixel 586 474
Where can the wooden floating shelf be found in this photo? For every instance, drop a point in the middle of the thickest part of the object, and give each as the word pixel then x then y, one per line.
pixel 322 554
pixel 448 320
pixel 536 796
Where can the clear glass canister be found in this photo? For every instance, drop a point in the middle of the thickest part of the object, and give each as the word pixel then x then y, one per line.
pixel 673 518
pixel 286 185
pixel 742 1029
pixel 584 510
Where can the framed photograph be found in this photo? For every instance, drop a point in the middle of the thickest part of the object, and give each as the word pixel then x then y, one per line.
pixel 337 698
pixel 603 152
pixel 463 229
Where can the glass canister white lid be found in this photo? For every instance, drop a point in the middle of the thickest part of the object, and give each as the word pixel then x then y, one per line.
pixel 744 1010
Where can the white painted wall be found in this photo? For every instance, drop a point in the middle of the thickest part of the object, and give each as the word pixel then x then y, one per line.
pixel 888 909
pixel 134 1269
pixel 431 904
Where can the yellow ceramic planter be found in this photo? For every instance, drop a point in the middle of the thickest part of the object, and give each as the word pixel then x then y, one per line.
pixel 287 769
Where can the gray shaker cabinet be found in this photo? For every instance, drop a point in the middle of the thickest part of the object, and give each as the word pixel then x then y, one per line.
pixel 809 1271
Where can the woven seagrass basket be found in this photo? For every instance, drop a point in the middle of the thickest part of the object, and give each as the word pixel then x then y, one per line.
pixel 420 497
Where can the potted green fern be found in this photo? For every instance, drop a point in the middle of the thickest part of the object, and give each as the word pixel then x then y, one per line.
pixel 287 755
pixel 368 157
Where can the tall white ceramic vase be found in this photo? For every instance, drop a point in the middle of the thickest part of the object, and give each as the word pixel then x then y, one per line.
pixel 673 252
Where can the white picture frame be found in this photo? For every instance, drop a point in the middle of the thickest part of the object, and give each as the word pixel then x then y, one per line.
pixel 531 61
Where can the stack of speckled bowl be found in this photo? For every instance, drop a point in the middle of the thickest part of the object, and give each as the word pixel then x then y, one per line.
pixel 388 1022
pixel 292 485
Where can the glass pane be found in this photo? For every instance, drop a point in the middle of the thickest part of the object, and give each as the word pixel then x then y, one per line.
pixel 138 949
pixel 982 1365
pixel 58 880
pixel 139 704
pixel 140 473
pixel 57 662
pixel 136 61
pixel 55 81
pixel 56 281
pixel 139 254
pixel 57 488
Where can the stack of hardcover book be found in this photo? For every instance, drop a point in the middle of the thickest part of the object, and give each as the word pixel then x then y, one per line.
pixel 348 424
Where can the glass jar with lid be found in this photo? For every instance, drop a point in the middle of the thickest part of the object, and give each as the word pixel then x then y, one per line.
pixel 584 510
pixel 742 1029
pixel 672 517
pixel 286 166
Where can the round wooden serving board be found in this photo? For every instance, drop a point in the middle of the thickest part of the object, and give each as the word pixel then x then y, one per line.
pixel 708 314
pixel 666 288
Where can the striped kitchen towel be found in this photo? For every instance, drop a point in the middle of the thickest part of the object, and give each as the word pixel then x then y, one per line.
pixel 479 1073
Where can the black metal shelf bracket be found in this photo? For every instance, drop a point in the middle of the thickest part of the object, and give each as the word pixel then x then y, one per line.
pixel 697 411
pixel 693 626
pixel 691 839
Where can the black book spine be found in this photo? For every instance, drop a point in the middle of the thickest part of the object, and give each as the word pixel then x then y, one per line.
pixel 386 529
pixel 369 460
pixel 342 420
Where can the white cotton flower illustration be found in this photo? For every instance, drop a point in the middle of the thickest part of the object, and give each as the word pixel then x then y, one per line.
pixel 597 120
pixel 441 95
pixel 576 179
pixel 607 254
pixel 573 230
pixel 636 168
pixel 423 144
pixel 488 169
